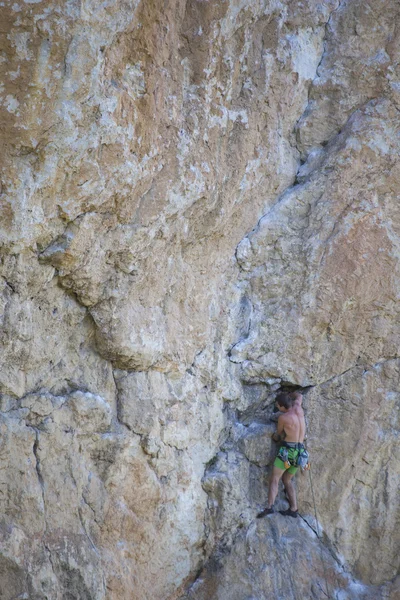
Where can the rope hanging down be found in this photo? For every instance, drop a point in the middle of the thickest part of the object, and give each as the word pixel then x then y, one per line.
pixel 319 538
pixel 328 594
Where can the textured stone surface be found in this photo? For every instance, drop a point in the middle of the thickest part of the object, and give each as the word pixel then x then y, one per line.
pixel 322 264
pixel 357 490
pixel 271 559
pixel 353 440
pixel 199 205
pixel 280 558
pixel 155 145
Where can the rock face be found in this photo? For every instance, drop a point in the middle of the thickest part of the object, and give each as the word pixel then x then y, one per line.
pixel 199 204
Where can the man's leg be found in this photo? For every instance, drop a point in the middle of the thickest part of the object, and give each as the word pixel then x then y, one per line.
pixel 289 487
pixel 272 491
pixel 273 485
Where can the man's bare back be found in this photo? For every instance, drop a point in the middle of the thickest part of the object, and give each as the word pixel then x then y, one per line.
pixel 292 422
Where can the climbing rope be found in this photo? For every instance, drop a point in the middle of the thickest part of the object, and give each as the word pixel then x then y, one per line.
pixel 319 538
pixel 317 527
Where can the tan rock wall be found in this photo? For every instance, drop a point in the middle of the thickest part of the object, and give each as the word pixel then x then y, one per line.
pixel 144 330
pixel 319 275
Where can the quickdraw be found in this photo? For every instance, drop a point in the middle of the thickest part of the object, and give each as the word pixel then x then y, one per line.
pixel 303 459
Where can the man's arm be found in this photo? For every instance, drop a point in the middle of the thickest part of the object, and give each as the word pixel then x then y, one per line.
pixel 280 432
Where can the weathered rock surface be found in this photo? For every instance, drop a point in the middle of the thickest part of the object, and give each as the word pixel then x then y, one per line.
pixel 322 264
pixel 199 205
pixel 278 558
pixel 353 421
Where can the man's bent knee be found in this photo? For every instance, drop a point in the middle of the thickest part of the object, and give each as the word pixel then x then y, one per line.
pixel 287 477
pixel 276 474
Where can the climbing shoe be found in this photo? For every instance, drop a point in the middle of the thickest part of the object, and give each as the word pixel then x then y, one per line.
pixel 289 513
pixel 265 512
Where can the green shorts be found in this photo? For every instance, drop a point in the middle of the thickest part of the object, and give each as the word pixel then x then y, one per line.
pixel 293 453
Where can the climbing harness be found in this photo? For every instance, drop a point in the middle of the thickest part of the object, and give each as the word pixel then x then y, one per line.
pixel 302 460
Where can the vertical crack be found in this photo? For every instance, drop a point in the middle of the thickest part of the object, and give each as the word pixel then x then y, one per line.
pixel 41 483
pixel 39 471
pixel 117 398
pixel 71 471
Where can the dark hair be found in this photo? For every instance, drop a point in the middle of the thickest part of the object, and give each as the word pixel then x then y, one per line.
pixel 284 399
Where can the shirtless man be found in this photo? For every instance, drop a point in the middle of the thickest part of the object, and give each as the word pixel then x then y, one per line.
pixel 290 433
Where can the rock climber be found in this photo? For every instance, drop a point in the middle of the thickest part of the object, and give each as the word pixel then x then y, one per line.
pixel 290 435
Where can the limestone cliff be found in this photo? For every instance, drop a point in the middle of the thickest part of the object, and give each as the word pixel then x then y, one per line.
pixel 200 206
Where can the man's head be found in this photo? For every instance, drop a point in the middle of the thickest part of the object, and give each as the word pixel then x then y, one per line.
pixel 283 401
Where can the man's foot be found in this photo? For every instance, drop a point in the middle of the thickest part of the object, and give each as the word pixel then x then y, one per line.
pixel 265 512
pixel 289 513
